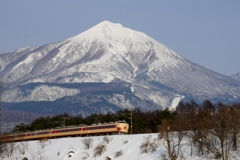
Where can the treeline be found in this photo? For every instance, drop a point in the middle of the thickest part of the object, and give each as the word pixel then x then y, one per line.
pixel 210 128
pixel 189 115
pixel 142 122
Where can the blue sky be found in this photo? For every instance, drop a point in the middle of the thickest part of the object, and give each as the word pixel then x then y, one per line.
pixel 206 32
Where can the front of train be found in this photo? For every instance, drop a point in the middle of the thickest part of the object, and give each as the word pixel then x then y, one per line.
pixel 122 126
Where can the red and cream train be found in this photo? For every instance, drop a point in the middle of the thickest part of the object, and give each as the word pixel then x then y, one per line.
pixel 99 129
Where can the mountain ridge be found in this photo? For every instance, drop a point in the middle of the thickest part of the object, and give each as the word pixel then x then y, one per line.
pixel 236 76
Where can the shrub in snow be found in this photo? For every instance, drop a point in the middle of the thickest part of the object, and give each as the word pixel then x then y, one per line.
pixel 87 142
pixel 108 158
pixel 22 147
pixel 99 150
pixel 42 143
pixel 107 139
pixel 118 153
pixel 149 145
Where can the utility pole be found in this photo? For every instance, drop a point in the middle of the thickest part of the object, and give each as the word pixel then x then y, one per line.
pixel 131 122
pixel 121 114
pixel 64 121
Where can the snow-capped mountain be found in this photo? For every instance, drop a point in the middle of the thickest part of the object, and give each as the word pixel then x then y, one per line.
pixel 108 67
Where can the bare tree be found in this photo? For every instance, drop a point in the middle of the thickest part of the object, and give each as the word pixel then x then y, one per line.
pixel 211 128
pixel 144 146
pixel 171 143
pixel 224 122
pixel 87 142
pixel 236 125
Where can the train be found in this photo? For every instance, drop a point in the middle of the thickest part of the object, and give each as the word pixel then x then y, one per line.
pixel 118 127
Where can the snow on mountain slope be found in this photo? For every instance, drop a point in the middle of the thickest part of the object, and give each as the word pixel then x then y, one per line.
pixel 110 53
pixel 236 76
pixel 40 93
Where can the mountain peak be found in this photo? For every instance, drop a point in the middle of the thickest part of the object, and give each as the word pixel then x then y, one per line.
pixel 107 23
pixel 107 30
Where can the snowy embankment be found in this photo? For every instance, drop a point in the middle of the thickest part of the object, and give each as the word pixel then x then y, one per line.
pixel 120 147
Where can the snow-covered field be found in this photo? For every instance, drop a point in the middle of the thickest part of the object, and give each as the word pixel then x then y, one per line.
pixel 120 147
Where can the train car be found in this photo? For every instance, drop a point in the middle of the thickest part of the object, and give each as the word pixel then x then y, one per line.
pixel 111 128
pixel 99 129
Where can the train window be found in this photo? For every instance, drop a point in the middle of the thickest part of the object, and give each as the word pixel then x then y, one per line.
pixel 47 132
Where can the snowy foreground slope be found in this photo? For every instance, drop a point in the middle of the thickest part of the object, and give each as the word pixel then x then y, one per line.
pixel 128 145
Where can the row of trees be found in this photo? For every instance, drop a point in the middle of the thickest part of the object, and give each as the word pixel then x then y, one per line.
pixel 143 122
pixel 211 129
